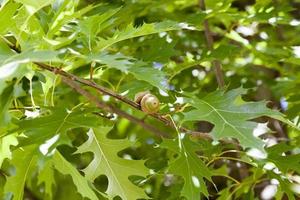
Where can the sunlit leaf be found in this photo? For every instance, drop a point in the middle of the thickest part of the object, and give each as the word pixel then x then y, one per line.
pixel 66 168
pixel 107 162
pixel 46 177
pixel 230 115
pixel 6 14
pixel 6 143
pixel 132 32
pixel 33 6
pixel 24 160
pixel 38 130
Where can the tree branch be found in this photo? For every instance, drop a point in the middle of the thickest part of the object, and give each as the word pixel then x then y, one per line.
pixel 210 43
pixel 106 91
pixel 112 109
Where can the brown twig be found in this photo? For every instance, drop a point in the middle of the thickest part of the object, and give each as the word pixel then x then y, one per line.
pixel 106 91
pixel 210 43
pixel 112 109
pixel 89 83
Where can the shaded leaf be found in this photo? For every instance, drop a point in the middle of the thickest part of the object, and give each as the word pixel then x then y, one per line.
pixel 280 156
pixel 188 165
pixel 46 176
pixel 58 122
pixel 5 101
pixel 139 69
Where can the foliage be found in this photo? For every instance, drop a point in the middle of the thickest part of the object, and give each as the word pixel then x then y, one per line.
pixel 69 125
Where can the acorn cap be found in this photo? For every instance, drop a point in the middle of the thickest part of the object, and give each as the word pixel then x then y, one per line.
pixel 138 97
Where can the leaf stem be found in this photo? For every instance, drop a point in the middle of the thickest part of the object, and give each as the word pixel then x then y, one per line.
pixel 53 90
pixel 228 158
pixel 178 134
pixel 31 93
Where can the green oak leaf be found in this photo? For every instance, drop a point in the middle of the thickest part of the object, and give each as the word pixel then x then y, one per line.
pixel 67 12
pixel 5 101
pixel 154 76
pixel 188 165
pixel 107 162
pixel 24 160
pixel 5 51
pixel 59 120
pixel 285 187
pixel 10 70
pixel 5 144
pixel 156 50
pixel 6 15
pixel 131 32
pixel 286 162
pixel 46 176
pixel 231 115
pixel 27 29
pixel 34 6
pixel 48 82
pixel 92 25
pixel 66 168
pixel 133 66
pixel 117 61
pixel 32 56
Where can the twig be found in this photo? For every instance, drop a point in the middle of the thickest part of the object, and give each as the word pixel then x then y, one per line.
pixel 89 83
pixel 278 28
pixel 112 109
pixel 106 91
pixel 92 70
pixel 210 43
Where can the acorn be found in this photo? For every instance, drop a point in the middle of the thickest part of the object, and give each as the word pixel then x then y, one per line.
pixel 149 103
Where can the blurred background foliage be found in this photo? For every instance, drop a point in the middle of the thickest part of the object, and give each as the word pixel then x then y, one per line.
pixel 133 46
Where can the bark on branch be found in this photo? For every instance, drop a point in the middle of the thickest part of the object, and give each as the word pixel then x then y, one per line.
pixel 121 98
pixel 210 43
